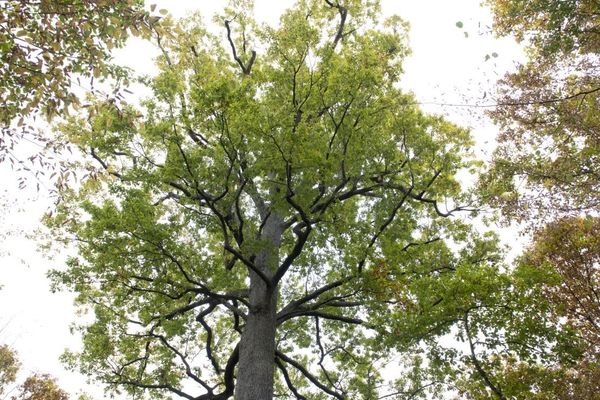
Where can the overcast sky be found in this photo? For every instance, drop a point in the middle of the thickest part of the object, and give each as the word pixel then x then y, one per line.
pixel 447 66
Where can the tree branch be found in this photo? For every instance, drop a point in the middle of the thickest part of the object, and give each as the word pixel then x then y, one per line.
pixel 315 313
pixel 308 375
pixel 288 381
pixel 313 295
pixel 476 362
pixel 245 68
pixel 343 14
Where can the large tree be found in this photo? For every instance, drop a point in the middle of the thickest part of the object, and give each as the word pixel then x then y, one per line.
pixel 263 208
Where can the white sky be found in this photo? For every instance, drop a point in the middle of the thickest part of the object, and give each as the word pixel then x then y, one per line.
pixel 445 67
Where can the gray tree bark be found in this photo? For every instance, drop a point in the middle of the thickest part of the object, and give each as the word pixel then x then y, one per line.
pixel 255 372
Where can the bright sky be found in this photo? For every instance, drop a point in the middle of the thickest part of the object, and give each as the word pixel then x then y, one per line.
pixel 445 67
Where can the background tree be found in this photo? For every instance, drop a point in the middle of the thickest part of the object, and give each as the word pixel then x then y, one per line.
pixel 9 366
pixel 567 252
pixel 35 387
pixel 545 169
pixel 504 338
pixel 46 44
pixel 248 211
pixel 40 387
pixel 49 51
pixel 570 248
pixel 546 163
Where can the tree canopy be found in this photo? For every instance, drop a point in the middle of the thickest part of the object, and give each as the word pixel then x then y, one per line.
pixel 279 219
pixel 544 172
pixel 265 210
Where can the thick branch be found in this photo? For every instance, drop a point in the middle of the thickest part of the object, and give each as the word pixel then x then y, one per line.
pixel 315 313
pixel 313 295
pixel 228 378
pixel 296 251
pixel 209 336
pixel 245 68
pixel 288 381
pixel 308 375
pixel 343 14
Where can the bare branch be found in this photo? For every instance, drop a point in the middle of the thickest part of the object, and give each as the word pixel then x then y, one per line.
pixel 245 68
pixel 343 14
pixel 308 375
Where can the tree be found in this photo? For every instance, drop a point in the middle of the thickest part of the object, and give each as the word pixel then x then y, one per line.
pixel 509 341
pixel 570 248
pixel 35 387
pixel 537 337
pixel 41 387
pixel 548 145
pixel 252 214
pixel 566 252
pixel 9 365
pixel 545 172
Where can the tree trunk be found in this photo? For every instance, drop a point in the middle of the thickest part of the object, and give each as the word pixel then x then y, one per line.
pixel 257 348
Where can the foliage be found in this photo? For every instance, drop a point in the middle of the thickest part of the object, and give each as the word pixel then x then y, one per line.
pixel 9 365
pixel 547 160
pixel 35 387
pixel 510 343
pixel 276 220
pixel 551 27
pixel 277 198
pixel 545 170
pixel 45 44
pixel 41 387
pixel 552 325
pixel 570 248
pixel 49 50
